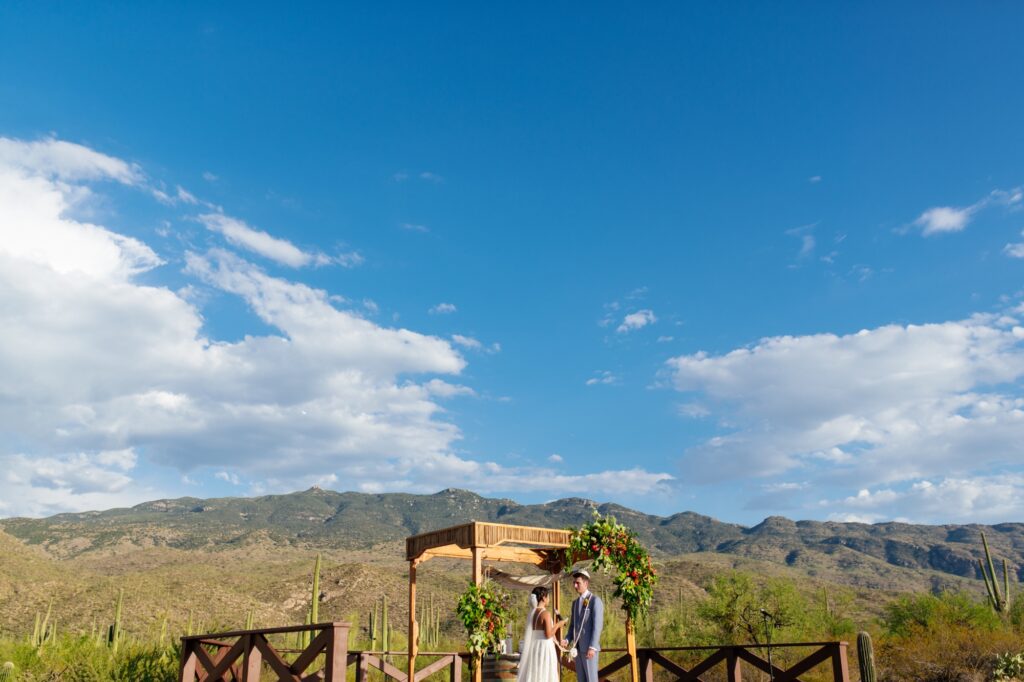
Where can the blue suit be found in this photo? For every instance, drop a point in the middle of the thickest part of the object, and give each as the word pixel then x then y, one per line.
pixel 587 621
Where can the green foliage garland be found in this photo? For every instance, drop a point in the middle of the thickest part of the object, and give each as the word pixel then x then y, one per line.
pixel 485 612
pixel 614 546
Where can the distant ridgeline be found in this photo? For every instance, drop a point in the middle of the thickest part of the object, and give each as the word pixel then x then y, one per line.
pixel 328 519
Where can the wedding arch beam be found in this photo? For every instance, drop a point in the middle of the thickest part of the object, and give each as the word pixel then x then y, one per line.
pixel 478 541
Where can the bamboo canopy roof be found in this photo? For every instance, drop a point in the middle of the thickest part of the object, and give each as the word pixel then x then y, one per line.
pixel 492 542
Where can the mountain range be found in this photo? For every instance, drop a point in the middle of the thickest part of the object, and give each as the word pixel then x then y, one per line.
pixel 327 519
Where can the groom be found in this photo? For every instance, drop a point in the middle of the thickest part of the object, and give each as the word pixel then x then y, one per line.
pixel 585 628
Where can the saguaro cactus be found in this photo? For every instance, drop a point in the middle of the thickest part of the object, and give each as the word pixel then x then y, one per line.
pixel 314 611
pixel 385 630
pixel 865 657
pixel 1000 602
pixel 7 672
pixel 373 627
pixel 114 633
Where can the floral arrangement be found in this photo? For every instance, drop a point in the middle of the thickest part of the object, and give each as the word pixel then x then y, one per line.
pixel 485 611
pixel 614 546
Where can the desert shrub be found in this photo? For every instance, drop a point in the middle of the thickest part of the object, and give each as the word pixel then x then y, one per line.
pixel 917 613
pixel 1008 666
pixel 734 603
pixel 1017 612
pixel 950 653
pixel 82 659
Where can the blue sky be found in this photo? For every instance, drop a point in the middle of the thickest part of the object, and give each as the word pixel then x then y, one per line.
pixel 737 259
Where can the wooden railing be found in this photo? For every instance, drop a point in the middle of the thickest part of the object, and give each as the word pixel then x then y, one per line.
pixel 209 658
pixel 732 657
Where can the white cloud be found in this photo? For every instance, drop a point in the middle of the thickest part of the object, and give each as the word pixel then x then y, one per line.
pixel 443 389
pixel 102 369
pixel 227 477
pixel 814 179
pixel 470 343
pixel 882 406
pixel 942 219
pixel 467 342
pixel 666 339
pixel 185 196
pixel 693 410
pixel 99 362
pixel 1014 250
pixel 443 309
pixel 555 458
pixel 278 250
pixel 978 499
pixel 805 233
pixel 210 177
pixel 414 227
pixel 604 377
pixel 56 159
pixel 637 320
pixel 351 259
pixel 434 472
pixel 431 177
pixel 43 485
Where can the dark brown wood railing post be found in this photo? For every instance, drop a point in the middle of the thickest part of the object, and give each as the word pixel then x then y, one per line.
pixel 252 664
pixel 646 666
pixel 840 671
pixel 732 665
pixel 362 668
pixel 188 662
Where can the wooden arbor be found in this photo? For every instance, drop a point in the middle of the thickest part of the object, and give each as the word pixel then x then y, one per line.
pixel 476 541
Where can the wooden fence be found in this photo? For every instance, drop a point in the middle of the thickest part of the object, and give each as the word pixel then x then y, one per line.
pixel 731 657
pixel 209 658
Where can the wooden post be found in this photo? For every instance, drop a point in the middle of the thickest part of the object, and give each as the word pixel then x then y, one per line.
pixel 336 659
pixel 647 667
pixel 478 578
pixel 413 628
pixel 840 672
pixel 363 669
pixel 188 661
pixel 478 566
pixel 252 664
pixel 556 595
pixel 732 666
pixel 456 670
pixel 634 664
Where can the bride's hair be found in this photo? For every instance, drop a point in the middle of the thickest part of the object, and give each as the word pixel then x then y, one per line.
pixel 540 592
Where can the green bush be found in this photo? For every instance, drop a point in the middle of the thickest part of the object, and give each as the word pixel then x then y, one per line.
pixel 83 659
pixel 952 653
pixel 1008 666
pixel 919 613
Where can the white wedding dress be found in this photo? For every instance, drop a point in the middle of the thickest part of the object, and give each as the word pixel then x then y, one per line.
pixel 538 661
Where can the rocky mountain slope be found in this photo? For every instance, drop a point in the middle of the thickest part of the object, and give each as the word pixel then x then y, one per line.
pixel 357 521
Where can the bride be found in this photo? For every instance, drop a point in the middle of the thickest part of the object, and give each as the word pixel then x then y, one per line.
pixel 538 661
